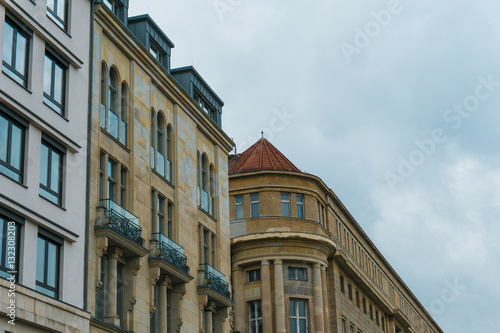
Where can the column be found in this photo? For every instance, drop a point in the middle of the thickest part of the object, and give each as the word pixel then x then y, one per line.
pixel 111 279
pixel 279 297
pixel 209 316
pixel 319 321
pixel 162 302
pixel 326 311
pixel 239 299
pixel 267 309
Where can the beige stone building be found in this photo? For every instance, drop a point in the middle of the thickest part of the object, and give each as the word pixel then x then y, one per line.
pixel 159 253
pixel 301 263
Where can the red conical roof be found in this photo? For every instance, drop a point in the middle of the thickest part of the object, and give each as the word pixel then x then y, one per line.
pixel 261 156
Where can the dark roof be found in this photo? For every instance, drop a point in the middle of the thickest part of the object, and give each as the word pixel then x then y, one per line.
pixel 261 156
pixel 194 72
pixel 147 18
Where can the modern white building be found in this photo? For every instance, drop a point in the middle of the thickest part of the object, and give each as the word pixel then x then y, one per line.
pixel 43 165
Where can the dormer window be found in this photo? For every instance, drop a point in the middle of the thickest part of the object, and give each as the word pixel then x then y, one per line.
pixel 115 7
pixel 156 52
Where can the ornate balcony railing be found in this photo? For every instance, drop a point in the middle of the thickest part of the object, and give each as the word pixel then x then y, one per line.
pixel 171 252
pixel 215 280
pixel 122 221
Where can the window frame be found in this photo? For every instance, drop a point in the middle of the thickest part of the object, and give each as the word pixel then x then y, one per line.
pixel 8 220
pixel 48 97
pixel 254 307
pixel 300 204
pixel 13 120
pixel 10 69
pixel 61 22
pixel 53 147
pixel 254 203
pixel 295 275
pixel 42 286
pixel 297 315
pixel 284 203
pixel 239 207
pixel 253 275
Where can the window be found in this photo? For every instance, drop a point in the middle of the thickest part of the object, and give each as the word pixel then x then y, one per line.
pixel 16 45
pixel 321 214
pixel 349 290
pixel 376 318
pixel 57 10
pixel 383 322
pixel 119 291
pixel 54 82
pixel 154 321
pixel 212 190
pixel 51 167
pixel 123 187
pixel 298 316
pixel 238 207
pixel 12 135
pixel 342 284
pixel 206 235
pixel 364 304
pixel 47 265
pixel 255 316
pixel 156 51
pixel 285 204
pixel 10 231
pixel 112 180
pixel 371 312
pixel 351 328
pixel 124 112
pixel 113 110
pixel 253 275
pixel 205 106
pixel 160 222
pixel 357 299
pixel 254 205
pixel 297 273
pixel 344 326
pixel 300 206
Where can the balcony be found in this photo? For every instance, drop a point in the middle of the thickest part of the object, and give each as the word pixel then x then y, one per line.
pixel 169 257
pixel 120 227
pixel 213 284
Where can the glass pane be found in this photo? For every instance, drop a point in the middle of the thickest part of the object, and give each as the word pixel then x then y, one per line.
pixel 16 147
pixel 58 83
pixel 40 261
pixel 302 308
pixel 113 124
pixel 293 325
pixel 238 199
pixel 291 273
pixel 300 198
pixel 285 197
pixel 8 37
pixel 254 197
pixel 21 49
pixel 302 326
pixel 239 212
pixel 61 9
pixel 257 278
pixel 2 245
pixel 300 211
pixel 55 172
pixel 160 160
pixel 255 209
pixel 285 209
pixel 293 308
pixel 301 274
pixel 50 4
pixel 103 115
pixel 52 265
pixel 123 133
pixel 259 325
pixel 4 133
pixel 44 165
pixel 47 75
pixel 251 310
pixel 259 307
pixel 49 196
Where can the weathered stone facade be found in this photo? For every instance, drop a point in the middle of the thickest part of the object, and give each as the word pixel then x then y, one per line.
pixel 310 251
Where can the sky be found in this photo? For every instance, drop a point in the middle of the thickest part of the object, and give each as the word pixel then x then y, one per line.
pixel 394 104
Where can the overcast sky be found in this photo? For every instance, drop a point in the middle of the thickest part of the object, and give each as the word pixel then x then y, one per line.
pixel 394 104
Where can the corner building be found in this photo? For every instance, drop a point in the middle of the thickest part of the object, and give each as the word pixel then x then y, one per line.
pixel 159 253
pixel 43 152
pixel 301 263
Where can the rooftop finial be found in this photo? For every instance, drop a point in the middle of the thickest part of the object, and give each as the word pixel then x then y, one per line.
pixel 262 132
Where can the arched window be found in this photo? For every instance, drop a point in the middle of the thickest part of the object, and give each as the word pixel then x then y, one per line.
pixel 169 154
pixel 204 183
pixel 212 189
pixel 153 139
pixel 198 174
pixel 123 115
pixel 160 145
pixel 104 89
pixel 112 116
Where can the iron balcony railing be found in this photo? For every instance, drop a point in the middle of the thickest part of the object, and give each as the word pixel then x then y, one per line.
pixel 171 252
pixel 215 280
pixel 122 220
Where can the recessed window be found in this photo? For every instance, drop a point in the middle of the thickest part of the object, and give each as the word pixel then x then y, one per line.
pixel 344 326
pixel 285 204
pixel 58 11
pixel 12 135
pixel 114 104
pixel 297 273
pixel 47 266
pixel 351 328
pixel 255 316
pixel 16 44
pixel 371 312
pixel 383 322
pixel 9 246
pixel 342 284
pixel 54 83
pixel 51 171
pixel 238 207
pixel 254 205
pixel 253 275
pixel 349 290
pixel 300 206
pixel 364 304
pixel 298 315
pixel 357 299
pixel 112 166
pixel 376 318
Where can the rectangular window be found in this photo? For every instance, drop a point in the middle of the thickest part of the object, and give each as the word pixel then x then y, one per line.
pixel 16 45
pixel 255 316
pixel 297 273
pixel 12 135
pixel 51 167
pixel 285 204
pixel 119 292
pixel 300 206
pixel 351 328
pixel 111 180
pixel 123 187
pixel 238 207
pixel 344 326
pixel 298 316
pixel 206 235
pixel 342 284
pixel 102 166
pixel 57 10
pixel 54 82
pixel 9 246
pixel 364 304
pixel 371 312
pixel 160 220
pixel 376 318
pixel 357 299
pixel 383 322
pixel 254 205
pixel 47 266
pixel 349 290
pixel 253 275
pixel 169 219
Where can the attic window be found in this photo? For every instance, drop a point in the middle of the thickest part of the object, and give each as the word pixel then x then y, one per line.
pixel 155 51
pixel 207 108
